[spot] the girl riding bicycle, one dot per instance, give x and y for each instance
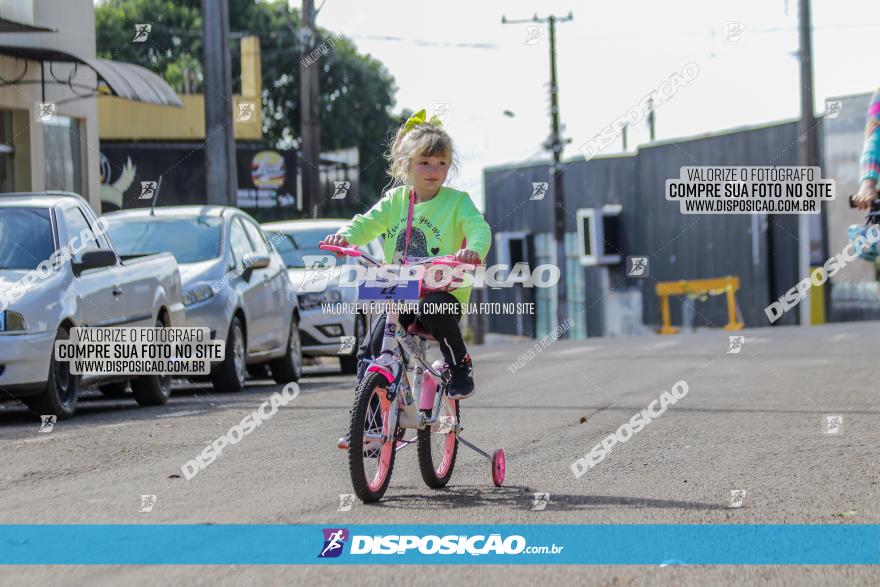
(444, 222)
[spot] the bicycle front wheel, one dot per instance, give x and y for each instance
(370, 460)
(438, 446)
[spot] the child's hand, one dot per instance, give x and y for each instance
(467, 256)
(337, 240)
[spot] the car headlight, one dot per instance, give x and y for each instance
(310, 300)
(11, 321)
(197, 293)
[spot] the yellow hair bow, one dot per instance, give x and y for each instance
(419, 118)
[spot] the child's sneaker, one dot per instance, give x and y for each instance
(461, 384)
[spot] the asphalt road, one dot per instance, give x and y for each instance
(751, 421)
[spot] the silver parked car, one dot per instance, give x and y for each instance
(322, 332)
(58, 271)
(234, 282)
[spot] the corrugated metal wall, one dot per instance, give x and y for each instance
(760, 250)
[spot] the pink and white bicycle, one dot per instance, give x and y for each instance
(387, 403)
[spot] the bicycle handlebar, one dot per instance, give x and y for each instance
(875, 203)
(353, 251)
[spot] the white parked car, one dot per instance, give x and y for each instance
(46, 295)
(322, 332)
(234, 282)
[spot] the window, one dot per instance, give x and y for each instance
(238, 241)
(7, 151)
(61, 148)
(190, 240)
(261, 245)
(25, 237)
(76, 224)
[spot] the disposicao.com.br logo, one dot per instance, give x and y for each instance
(334, 540)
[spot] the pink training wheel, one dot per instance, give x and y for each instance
(498, 466)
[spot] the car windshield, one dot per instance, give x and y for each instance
(25, 237)
(190, 240)
(294, 246)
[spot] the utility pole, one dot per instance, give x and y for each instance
(221, 180)
(310, 149)
(555, 144)
(808, 152)
(651, 120)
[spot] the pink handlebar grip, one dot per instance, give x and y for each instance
(350, 251)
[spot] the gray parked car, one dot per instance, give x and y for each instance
(234, 282)
(322, 332)
(93, 285)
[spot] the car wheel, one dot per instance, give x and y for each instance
(152, 390)
(349, 363)
(231, 374)
(117, 389)
(288, 368)
(62, 388)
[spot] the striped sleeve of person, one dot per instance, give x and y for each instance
(870, 162)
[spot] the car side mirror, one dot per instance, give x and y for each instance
(252, 262)
(94, 259)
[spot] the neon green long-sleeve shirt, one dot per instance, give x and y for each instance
(440, 226)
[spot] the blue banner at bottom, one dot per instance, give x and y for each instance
(655, 544)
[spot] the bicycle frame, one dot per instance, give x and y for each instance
(426, 391)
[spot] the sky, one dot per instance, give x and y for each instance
(608, 57)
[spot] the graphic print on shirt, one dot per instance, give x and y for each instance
(418, 245)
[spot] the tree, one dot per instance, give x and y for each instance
(356, 91)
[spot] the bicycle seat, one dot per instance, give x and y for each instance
(416, 329)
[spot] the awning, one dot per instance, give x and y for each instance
(125, 80)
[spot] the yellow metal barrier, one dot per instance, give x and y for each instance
(696, 287)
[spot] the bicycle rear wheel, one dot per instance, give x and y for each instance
(370, 460)
(437, 450)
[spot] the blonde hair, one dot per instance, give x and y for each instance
(421, 140)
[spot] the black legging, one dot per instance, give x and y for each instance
(442, 326)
